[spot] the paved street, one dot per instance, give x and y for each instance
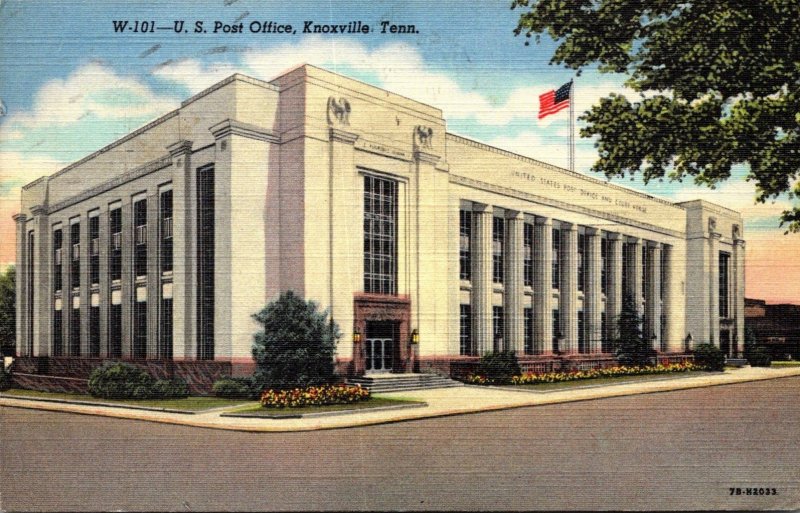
(676, 450)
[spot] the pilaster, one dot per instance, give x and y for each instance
(153, 273)
(593, 295)
(514, 287)
(127, 279)
(653, 299)
(22, 291)
(482, 278)
(713, 287)
(569, 287)
(739, 291)
(614, 292)
(542, 285)
(105, 284)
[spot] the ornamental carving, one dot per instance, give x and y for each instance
(338, 111)
(737, 232)
(712, 225)
(423, 136)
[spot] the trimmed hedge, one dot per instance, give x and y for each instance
(499, 367)
(709, 356)
(125, 381)
(235, 388)
(760, 357)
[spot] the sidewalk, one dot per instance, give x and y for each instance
(440, 402)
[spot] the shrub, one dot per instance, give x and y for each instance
(5, 378)
(235, 388)
(296, 346)
(630, 346)
(125, 381)
(709, 356)
(314, 396)
(499, 367)
(760, 357)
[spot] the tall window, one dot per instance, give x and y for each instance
(205, 262)
(94, 248)
(497, 327)
(115, 325)
(115, 244)
(724, 277)
(140, 323)
(464, 241)
(556, 258)
(528, 328)
(581, 262)
(465, 332)
(75, 264)
(527, 257)
(556, 330)
(58, 329)
(604, 265)
(498, 243)
(581, 334)
(663, 272)
(140, 237)
(645, 275)
(75, 328)
(604, 335)
(94, 325)
(165, 213)
(380, 235)
(58, 243)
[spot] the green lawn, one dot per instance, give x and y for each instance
(195, 403)
(578, 383)
(792, 363)
(256, 410)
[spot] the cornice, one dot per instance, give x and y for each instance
(180, 147)
(233, 127)
(339, 135)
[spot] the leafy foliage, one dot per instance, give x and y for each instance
(8, 312)
(630, 347)
(709, 356)
(296, 347)
(125, 381)
(499, 367)
(5, 378)
(722, 82)
(234, 388)
(760, 357)
(314, 396)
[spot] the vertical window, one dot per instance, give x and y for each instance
(205, 262)
(75, 328)
(165, 322)
(604, 265)
(464, 241)
(465, 330)
(497, 327)
(581, 334)
(581, 262)
(663, 272)
(94, 325)
(94, 248)
(724, 292)
(75, 264)
(527, 257)
(498, 243)
(165, 212)
(58, 329)
(140, 323)
(58, 244)
(115, 244)
(140, 238)
(115, 325)
(380, 235)
(528, 329)
(556, 258)
(663, 335)
(606, 341)
(556, 330)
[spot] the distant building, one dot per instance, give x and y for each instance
(159, 247)
(776, 327)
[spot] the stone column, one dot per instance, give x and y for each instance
(713, 288)
(184, 250)
(127, 282)
(22, 285)
(105, 284)
(654, 293)
(43, 299)
(85, 294)
(614, 292)
(153, 273)
(738, 288)
(635, 273)
(482, 278)
(543, 285)
(593, 295)
(666, 286)
(569, 287)
(514, 286)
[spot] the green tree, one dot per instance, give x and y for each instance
(296, 346)
(722, 81)
(8, 312)
(630, 347)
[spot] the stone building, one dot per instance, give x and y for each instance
(427, 248)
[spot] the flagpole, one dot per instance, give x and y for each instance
(571, 125)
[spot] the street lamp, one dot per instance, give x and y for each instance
(415, 336)
(356, 336)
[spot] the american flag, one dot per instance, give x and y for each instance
(554, 100)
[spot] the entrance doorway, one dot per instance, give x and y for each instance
(725, 342)
(380, 346)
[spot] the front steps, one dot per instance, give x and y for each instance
(379, 383)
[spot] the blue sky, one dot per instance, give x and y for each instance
(71, 85)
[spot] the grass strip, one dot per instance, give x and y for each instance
(192, 403)
(375, 402)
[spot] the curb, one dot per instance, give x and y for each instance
(99, 403)
(420, 404)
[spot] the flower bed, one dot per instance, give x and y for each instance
(314, 396)
(531, 378)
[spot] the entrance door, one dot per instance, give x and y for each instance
(380, 347)
(725, 342)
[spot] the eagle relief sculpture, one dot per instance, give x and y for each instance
(423, 136)
(338, 111)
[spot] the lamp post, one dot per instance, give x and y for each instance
(414, 350)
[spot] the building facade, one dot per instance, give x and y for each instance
(427, 248)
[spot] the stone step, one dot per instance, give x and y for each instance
(400, 382)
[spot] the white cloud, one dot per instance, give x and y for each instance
(194, 75)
